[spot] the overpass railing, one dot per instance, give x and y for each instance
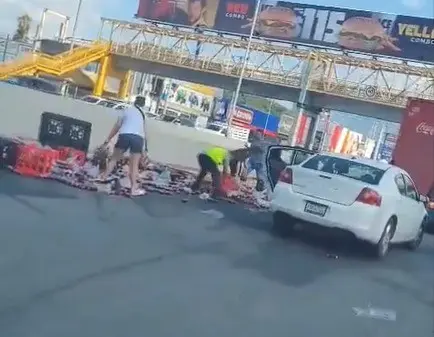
(387, 82)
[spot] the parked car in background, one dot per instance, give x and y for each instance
(178, 119)
(216, 128)
(113, 104)
(168, 118)
(36, 83)
(151, 115)
(189, 122)
(92, 99)
(372, 201)
(105, 102)
(121, 106)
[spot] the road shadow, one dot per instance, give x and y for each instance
(17, 187)
(160, 206)
(14, 185)
(245, 216)
(305, 256)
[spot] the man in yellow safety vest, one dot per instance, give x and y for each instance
(215, 157)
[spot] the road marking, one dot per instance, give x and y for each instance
(375, 313)
(213, 213)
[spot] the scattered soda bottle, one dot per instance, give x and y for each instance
(164, 178)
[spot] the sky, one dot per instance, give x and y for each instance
(93, 10)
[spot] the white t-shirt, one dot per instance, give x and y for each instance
(132, 122)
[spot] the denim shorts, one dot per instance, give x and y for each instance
(129, 141)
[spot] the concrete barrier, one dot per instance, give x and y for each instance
(21, 110)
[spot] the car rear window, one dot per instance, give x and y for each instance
(345, 167)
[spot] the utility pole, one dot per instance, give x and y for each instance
(74, 28)
(6, 45)
(246, 57)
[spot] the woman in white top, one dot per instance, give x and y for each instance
(132, 138)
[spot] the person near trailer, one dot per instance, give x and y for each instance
(212, 159)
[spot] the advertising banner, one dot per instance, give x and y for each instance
(317, 140)
(303, 130)
(286, 124)
(245, 117)
(220, 110)
(212, 14)
(385, 153)
(369, 32)
(369, 147)
(341, 140)
(336, 135)
(241, 117)
(186, 99)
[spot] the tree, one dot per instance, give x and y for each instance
(23, 28)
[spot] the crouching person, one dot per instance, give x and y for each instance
(211, 160)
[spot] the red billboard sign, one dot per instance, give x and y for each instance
(242, 116)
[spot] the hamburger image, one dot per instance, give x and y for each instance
(366, 34)
(276, 22)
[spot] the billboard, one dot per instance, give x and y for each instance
(242, 115)
(303, 130)
(220, 110)
(286, 124)
(189, 98)
(245, 117)
(355, 30)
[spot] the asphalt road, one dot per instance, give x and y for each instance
(76, 263)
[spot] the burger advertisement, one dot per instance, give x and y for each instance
(338, 28)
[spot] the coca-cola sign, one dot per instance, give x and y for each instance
(425, 129)
(243, 115)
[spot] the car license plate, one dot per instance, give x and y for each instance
(314, 208)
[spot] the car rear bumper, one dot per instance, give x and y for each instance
(360, 220)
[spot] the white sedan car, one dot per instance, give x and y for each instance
(374, 201)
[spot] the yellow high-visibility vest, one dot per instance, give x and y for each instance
(217, 154)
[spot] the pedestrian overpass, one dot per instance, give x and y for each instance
(316, 78)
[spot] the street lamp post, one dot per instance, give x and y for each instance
(6, 45)
(74, 28)
(40, 27)
(268, 115)
(246, 56)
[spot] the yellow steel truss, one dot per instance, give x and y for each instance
(388, 82)
(54, 65)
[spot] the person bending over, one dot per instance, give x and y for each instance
(132, 137)
(210, 161)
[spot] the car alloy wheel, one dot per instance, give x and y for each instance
(384, 243)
